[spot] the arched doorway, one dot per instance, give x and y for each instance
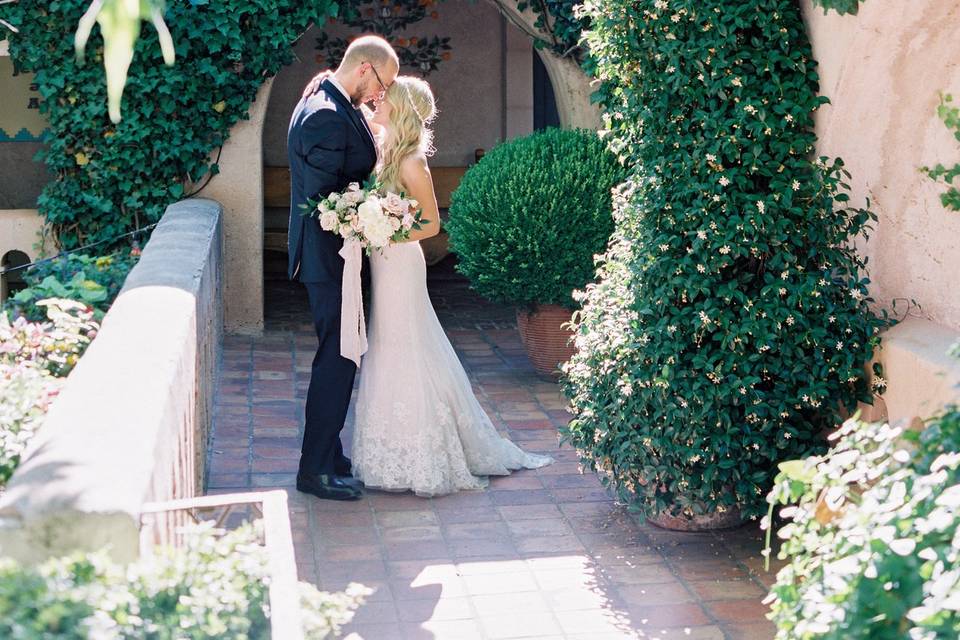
(11, 280)
(498, 112)
(490, 90)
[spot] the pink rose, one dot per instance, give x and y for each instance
(394, 204)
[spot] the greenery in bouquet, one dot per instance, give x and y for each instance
(214, 586)
(370, 215)
(731, 322)
(528, 219)
(873, 536)
(26, 391)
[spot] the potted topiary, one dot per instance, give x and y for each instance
(526, 222)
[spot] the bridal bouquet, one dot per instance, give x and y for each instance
(370, 215)
(367, 218)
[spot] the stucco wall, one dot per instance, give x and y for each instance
(469, 87)
(883, 70)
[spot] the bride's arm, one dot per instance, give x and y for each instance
(415, 174)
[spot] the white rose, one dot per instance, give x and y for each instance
(408, 221)
(333, 198)
(394, 223)
(353, 186)
(328, 221)
(370, 211)
(379, 232)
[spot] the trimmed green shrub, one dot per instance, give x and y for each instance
(873, 536)
(730, 322)
(527, 220)
(213, 587)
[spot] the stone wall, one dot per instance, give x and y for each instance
(131, 423)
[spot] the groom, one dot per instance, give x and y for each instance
(329, 146)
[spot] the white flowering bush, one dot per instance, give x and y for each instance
(730, 322)
(873, 538)
(212, 587)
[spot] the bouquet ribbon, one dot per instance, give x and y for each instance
(353, 326)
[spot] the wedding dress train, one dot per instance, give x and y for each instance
(418, 424)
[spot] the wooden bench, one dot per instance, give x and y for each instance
(276, 200)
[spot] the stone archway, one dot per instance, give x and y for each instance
(571, 85)
(239, 186)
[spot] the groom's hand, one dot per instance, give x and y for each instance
(314, 84)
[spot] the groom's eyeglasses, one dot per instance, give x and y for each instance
(377, 75)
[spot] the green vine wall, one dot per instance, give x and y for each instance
(111, 178)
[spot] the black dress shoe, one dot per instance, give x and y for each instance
(329, 487)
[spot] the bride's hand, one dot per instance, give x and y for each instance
(314, 84)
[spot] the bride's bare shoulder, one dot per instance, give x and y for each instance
(414, 165)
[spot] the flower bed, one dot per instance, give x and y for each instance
(44, 330)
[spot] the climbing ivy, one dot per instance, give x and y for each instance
(840, 6)
(113, 177)
(562, 22)
(950, 114)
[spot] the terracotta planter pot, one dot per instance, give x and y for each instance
(544, 339)
(729, 519)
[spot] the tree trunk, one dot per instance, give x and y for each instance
(571, 86)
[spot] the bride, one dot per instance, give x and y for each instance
(418, 424)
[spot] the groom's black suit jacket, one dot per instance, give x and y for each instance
(329, 146)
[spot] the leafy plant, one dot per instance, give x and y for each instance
(950, 115)
(872, 536)
(94, 281)
(840, 6)
(54, 346)
(213, 587)
(563, 24)
(527, 219)
(109, 271)
(115, 177)
(26, 391)
(731, 319)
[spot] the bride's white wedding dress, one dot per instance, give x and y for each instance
(418, 424)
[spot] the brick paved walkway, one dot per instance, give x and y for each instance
(541, 554)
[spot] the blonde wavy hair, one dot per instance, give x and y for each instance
(412, 110)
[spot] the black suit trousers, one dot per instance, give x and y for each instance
(331, 385)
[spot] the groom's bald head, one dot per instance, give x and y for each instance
(372, 49)
(369, 67)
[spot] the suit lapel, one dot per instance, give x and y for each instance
(355, 116)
